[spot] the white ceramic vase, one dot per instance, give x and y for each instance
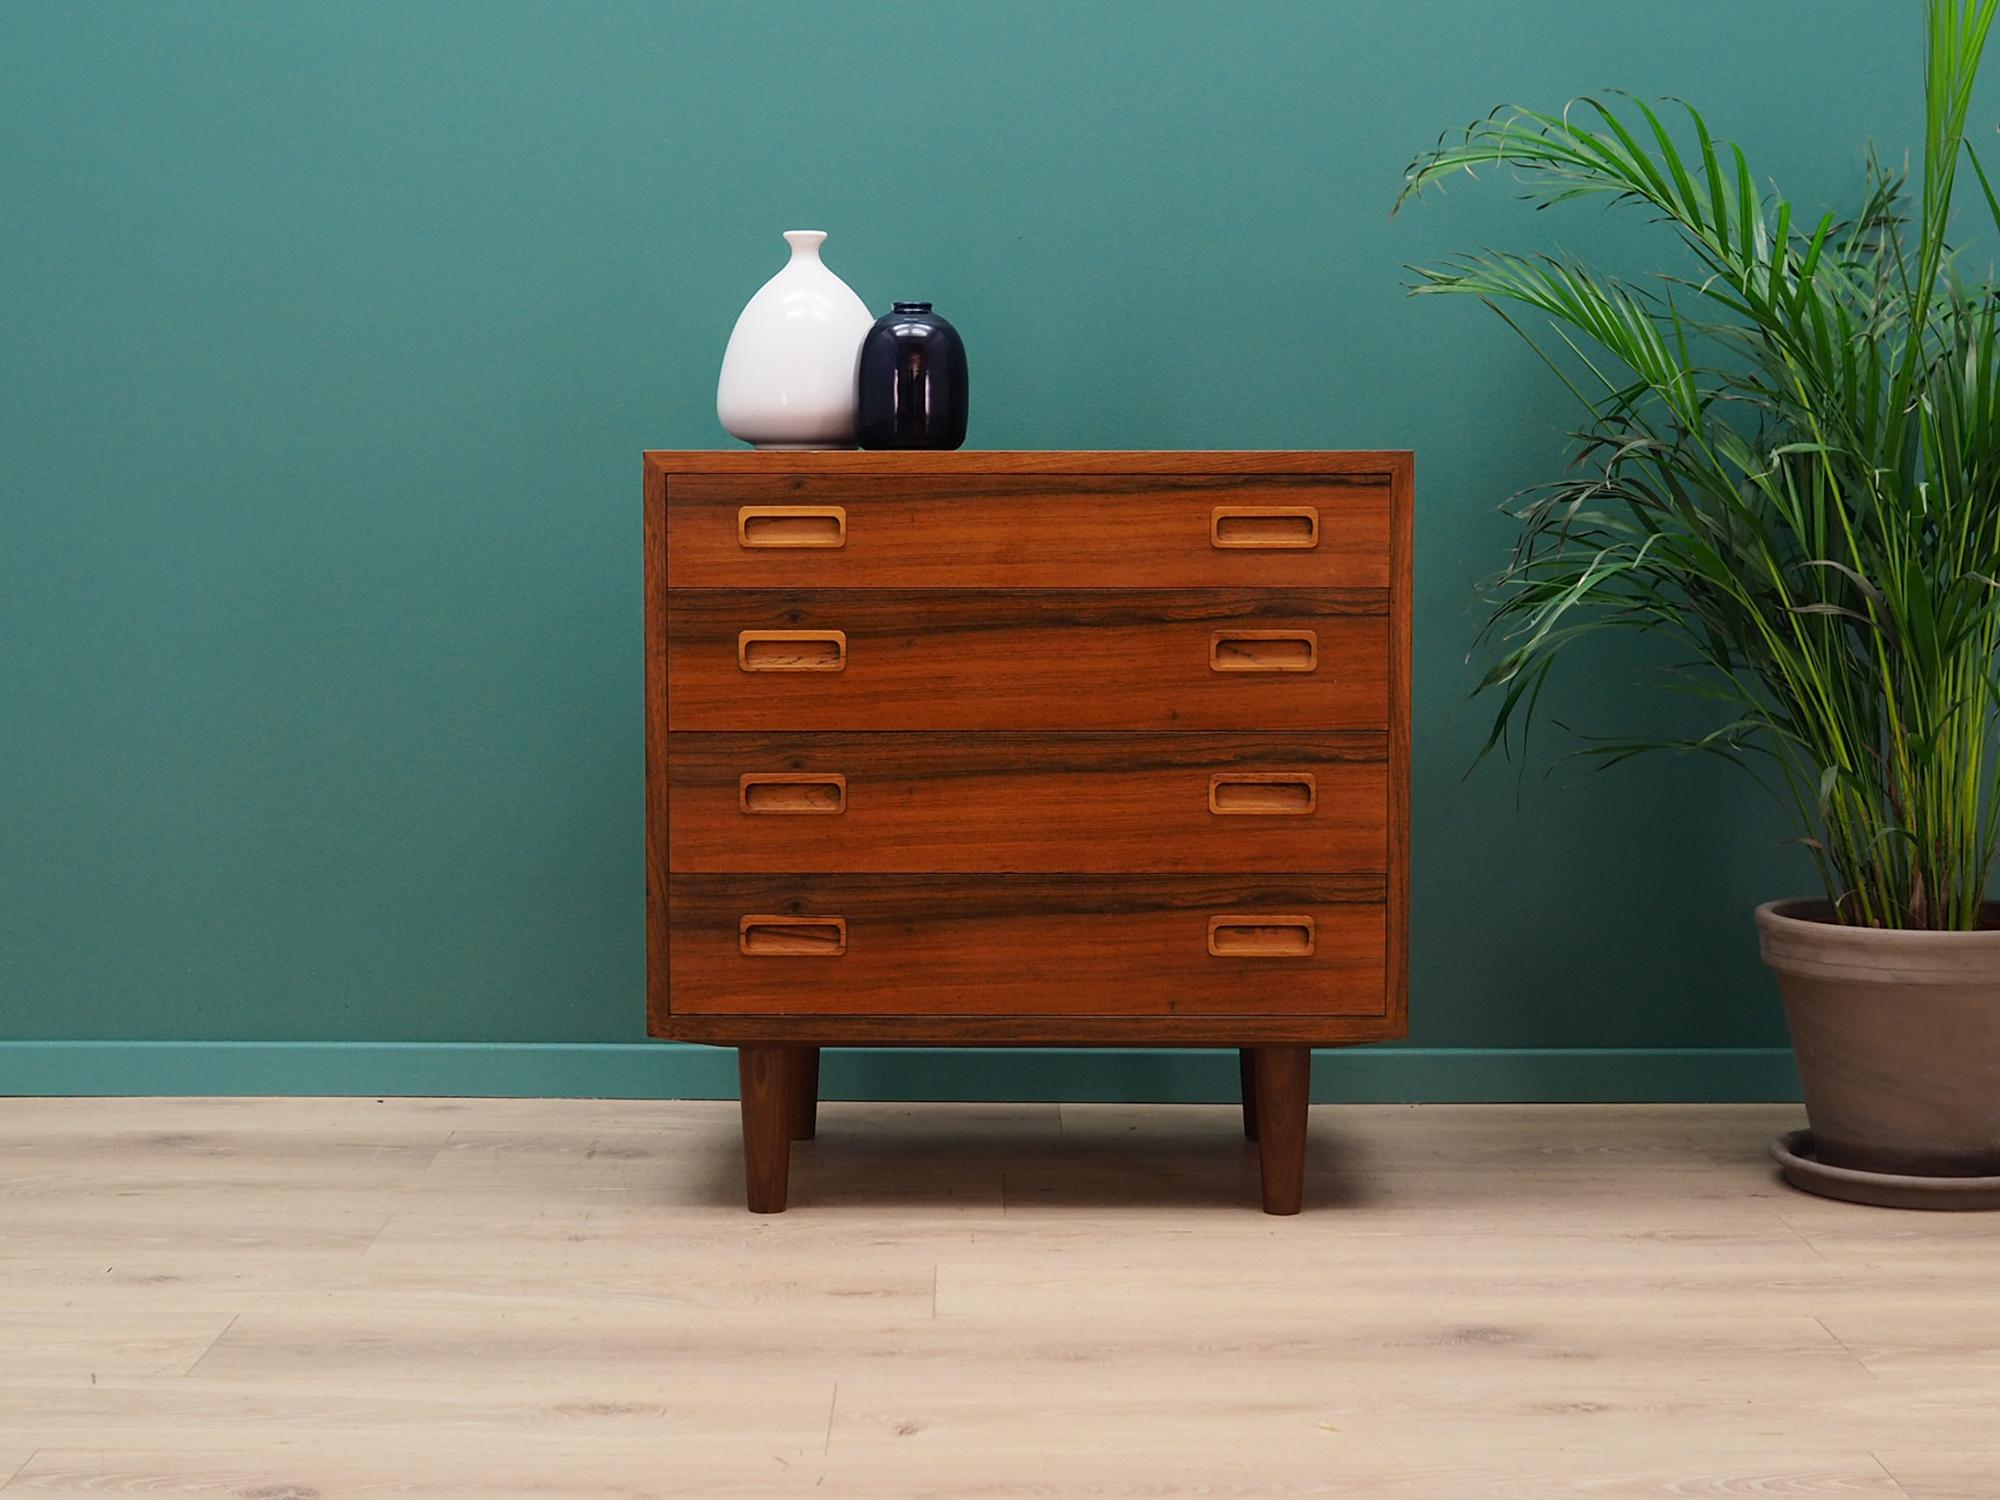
(788, 373)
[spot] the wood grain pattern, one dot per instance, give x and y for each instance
(791, 526)
(767, 1095)
(1027, 945)
(1398, 669)
(1280, 1091)
(1950, 1474)
(1241, 649)
(1030, 802)
(1278, 527)
(791, 650)
(987, 530)
(1253, 935)
(1025, 1029)
(1007, 659)
(783, 935)
(784, 794)
(562, 1299)
(1270, 794)
(658, 817)
(1058, 610)
(776, 466)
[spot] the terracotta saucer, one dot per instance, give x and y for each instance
(1793, 1152)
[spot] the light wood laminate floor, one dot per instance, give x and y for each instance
(294, 1299)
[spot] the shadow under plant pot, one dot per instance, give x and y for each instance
(1897, 1034)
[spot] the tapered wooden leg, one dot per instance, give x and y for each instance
(1246, 1071)
(1282, 1079)
(765, 1078)
(805, 1092)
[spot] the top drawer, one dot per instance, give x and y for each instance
(990, 530)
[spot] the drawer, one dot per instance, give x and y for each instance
(996, 802)
(1027, 945)
(1154, 659)
(1029, 531)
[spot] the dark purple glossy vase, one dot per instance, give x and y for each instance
(910, 383)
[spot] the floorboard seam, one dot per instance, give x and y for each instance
(1850, 1354)
(1818, 1254)
(443, 1146)
(1889, 1475)
(433, 1161)
(189, 1371)
(376, 1238)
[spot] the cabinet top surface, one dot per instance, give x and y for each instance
(1024, 461)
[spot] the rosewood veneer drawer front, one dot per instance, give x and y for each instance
(1155, 659)
(1028, 945)
(1029, 531)
(1010, 801)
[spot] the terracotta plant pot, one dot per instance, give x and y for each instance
(1897, 1035)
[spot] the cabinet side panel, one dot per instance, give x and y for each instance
(658, 1005)
(1401, 518)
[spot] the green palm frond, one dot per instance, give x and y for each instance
(1790, 468)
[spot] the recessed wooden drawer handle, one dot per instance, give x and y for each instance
(1260, 937)
(793, 937)
(791, 526)
(791, 650)
(1278, 794)
(791, 792)
(1266, 527)
(1263, 651)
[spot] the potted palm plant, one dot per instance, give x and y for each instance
(1789, 470)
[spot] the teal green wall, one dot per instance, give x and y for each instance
(331, 333)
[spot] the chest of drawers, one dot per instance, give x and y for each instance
(1083, 749)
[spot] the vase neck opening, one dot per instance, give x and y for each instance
(805, 243)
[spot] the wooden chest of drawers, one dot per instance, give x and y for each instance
(1026, 748)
